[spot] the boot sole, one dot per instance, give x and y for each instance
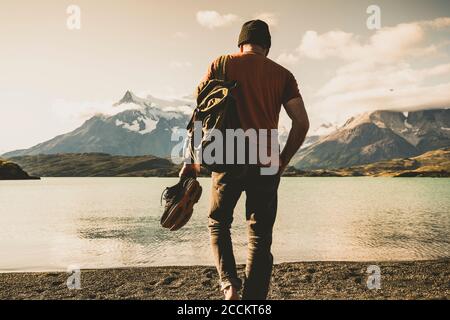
(181, 212)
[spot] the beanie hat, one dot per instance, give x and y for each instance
(255, 32)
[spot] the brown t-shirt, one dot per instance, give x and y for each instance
(263, 86)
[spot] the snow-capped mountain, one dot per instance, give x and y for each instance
(324, 129)
(144, 128)
(147, 124)
(145, 114)
(314, 134)
(379, 135)
(151, 101)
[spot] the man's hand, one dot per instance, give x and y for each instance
(190, 170)
(295, 109)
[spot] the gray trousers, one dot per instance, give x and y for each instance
(261, 208)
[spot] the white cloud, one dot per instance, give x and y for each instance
(383, 77)
(180, 35)
(180, 64)
(407, 98)
(287, 59)
(381, 72)
(387, 45)
(213, 19)
(438, 23)
(182, 108)
(75, 111)
(333, 43)
(269, 17)
(392, 87)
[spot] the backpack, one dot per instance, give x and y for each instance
(216, 109)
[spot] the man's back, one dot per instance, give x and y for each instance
(263, 86)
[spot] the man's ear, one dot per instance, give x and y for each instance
(241, 48)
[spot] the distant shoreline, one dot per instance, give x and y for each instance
(434, 164)
(298, 280)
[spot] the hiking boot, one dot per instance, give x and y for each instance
(180, 200)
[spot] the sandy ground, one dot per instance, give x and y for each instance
(304, 280)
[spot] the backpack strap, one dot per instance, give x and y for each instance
(220, 70)
(219, 73)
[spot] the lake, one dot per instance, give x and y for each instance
(55, 223)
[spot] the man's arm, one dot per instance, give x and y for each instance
(295, 109)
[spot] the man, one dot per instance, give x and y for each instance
(263, 86)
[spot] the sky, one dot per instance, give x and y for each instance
(53, 78)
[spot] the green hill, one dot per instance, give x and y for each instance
(96, 165)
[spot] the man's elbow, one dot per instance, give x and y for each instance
(302, 125)
(306, 126)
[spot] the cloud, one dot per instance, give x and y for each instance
(185, 109)
(387, 45)
(213, 19)
(180, 64)
(380, 72)
(180, 35)
(75, 111)
(388, 87)
(287, 59)
(407, 98)
(333, 43)
(269, 17)
(438, 23)
(382, 77)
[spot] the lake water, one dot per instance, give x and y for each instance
(114, 222)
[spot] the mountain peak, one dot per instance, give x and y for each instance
(130, 97)
(357, 120)
(379, 117)
(379, 135)
(152, 101)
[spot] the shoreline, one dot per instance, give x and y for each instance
(422, 279)
(434, 163)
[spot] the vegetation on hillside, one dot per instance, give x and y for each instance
(11, 171)
(431, 164)
(96, 165)
(434, 163)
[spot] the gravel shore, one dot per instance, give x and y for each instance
(302, 280)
